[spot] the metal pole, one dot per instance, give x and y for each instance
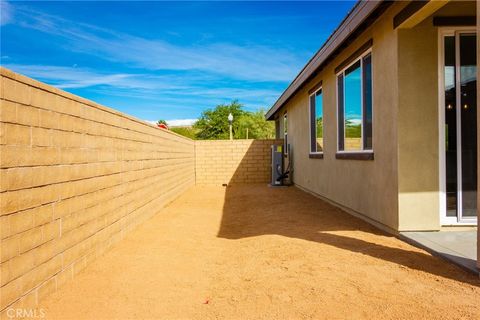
(230, 121)
(247, 133)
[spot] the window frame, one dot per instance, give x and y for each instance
(342, 73)
(285, 134)
(316, 153)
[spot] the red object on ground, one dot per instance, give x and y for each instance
(163, 126)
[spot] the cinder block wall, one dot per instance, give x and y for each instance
(220, 162)
(74, 178)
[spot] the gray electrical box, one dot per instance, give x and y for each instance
(277, 165)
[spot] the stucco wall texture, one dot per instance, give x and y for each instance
(75, 177)
(366, 187)
(400, 188)
(418, 143)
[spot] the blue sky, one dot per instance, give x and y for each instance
(166, 60)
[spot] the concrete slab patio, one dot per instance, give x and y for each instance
(458, 247)
(256, 252)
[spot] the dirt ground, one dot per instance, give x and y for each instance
(254, 252)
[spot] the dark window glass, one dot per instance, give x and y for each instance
(313, 144)
(285, 134)
(277, 129)
(355, 112)
(468, 107)
(316, 122)
(353, 107)
(450, 126)
(319, 120)
(367, 103)
(341, 137)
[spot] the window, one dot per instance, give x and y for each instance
(355, 115)
(277, 129)
(285, 140)
(316, 122)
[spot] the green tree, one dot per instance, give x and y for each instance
(257, 126)
(161, 121)
(319, 127)
(213, 123)
(188, 132)
(353, 129)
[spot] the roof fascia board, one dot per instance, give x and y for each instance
(415, 12)
(406, 13)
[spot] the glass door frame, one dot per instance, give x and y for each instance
(444, 219)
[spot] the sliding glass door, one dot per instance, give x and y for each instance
(460, 126)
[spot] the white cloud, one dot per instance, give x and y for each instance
(248, 62)
(160, 75)
(181, 122)
(74, 77)
(354, 121)
(182, 92)
(6, 13)
(175, 122)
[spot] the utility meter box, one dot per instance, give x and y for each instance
(277, 165)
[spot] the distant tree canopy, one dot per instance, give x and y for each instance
(161, 121)
(353, 129)
(188, 132)
(257, 126)
(213, 123)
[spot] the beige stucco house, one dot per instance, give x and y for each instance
(382, 120)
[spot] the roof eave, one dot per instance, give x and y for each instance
(358, 15)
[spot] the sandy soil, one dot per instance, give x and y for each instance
(258, 253)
